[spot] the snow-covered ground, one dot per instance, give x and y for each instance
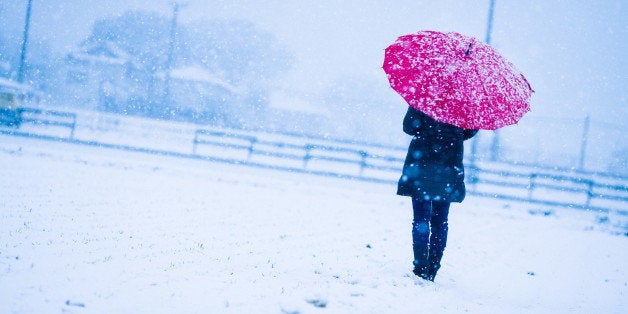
(96, 230)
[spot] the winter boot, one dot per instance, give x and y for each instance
(433, 265)
(420, 248)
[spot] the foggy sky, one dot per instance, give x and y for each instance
(572, 52)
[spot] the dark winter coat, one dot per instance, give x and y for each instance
(433, 168)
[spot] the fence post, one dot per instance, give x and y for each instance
(531, 185)
(363, 155)
(252, 141)
(307, 156)
(472, 172)
(589, 193)
(73, 126)
(195, 141)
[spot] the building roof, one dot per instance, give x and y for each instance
(200, 74)
(101, 52)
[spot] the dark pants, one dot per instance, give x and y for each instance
(429, 235)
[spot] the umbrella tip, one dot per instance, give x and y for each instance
(466, 53)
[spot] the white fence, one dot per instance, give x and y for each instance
(322, 156)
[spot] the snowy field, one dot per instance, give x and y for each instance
(96, 230)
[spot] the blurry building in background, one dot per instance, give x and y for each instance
(199, 95)
(101, 76)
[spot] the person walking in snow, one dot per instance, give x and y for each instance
(433, 175)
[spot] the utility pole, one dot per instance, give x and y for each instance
(489, 27)
(489, 30)
(20, 73)
(173, 35)
(474, 142)
(583, 143)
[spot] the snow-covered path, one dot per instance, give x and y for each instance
(91, 230)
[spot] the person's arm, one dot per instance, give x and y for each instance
(413, 121)
(467, 134)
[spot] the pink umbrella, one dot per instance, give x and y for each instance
(457, 79)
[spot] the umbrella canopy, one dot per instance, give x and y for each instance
(457, 79)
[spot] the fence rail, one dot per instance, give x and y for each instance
(519, 185)
(49, 117)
